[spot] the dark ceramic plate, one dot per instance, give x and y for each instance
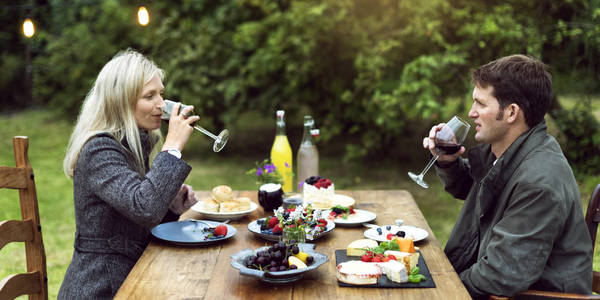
(189, 232)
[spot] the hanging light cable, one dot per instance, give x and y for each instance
(143, 16)
(28, 28)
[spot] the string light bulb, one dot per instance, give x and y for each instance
(28, 28)
(143, 16)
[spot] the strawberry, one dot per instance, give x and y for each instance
(366, 258)
(377, 259)
(221, 230)
(391, 256)
(390, 236)
(272, 222)
(385, 259)
(351, 210)
(277, 229)
(323, 221)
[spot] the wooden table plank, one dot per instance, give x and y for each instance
(174, 272)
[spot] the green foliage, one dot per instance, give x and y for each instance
(369, 71)
(583, 152)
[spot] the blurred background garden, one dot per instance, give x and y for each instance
(374, 74)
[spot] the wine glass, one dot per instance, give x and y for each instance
(447, 141)
(220, 140)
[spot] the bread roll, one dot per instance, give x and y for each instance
(222, 193)
(231, 206)
(244, 203)
(210, 205)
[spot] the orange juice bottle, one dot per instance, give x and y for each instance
(281, 154)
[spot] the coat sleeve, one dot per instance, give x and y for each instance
(456, 178)
(142, 199)
(520, 245)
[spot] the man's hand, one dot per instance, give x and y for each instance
(429, 143)
(184, 199)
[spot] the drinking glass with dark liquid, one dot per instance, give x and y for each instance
(447, 141)
(220, 140)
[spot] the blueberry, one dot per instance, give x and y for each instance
(295, 250)
(401, 233)
(260, 221)
(389, 227)
(309, 260)
(379, 230)
(282, 268)
(293, 267)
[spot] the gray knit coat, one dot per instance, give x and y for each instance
(115, 208)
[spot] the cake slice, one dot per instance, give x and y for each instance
(358, 272)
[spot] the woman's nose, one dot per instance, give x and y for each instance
(161, 102)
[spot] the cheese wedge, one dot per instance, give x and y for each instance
(395, 271)
(409, 259)
(357, 248)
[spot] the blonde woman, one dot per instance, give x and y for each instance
(118, 196)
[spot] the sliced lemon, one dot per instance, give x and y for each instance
(302, 256)
(292, 260)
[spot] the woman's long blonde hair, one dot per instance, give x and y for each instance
(110, 104)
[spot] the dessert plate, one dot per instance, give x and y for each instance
(189, 233)
(360, 216)
(417, 233)
(223, 216)
(237, 261)
(255, 228)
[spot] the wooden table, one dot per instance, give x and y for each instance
(173, 272)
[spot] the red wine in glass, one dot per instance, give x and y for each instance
(447, 148)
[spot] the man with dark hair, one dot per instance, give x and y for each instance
(521, 226)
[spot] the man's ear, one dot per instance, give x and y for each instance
(512, 112)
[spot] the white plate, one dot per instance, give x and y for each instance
(360, 216)
(255, 228)
(418, 233)
(338, 199)
(224, 216)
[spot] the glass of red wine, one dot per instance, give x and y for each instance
(447, 141)
(220, 140)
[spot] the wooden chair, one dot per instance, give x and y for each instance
(35, 282)
(592, 218)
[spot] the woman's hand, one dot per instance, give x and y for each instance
(179, 127)
(184, 199)
(429, 143)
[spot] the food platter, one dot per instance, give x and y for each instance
(254, 227)
(223, 216)
(359, 217)
(417, 233)
(237, 261)
(189, 232)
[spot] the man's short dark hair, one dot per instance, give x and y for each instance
(518, 79)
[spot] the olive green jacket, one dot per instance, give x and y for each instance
(521, 226)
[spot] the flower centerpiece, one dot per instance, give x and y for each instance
(299, 223)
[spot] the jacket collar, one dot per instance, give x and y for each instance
(494, 177)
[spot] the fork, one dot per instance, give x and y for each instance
(208, 225)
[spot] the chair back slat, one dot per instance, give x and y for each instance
(592, 217)
(15, 231)
(28, 229)
(13, 178)
(16, 285)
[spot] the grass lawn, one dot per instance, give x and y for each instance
(49, 136)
